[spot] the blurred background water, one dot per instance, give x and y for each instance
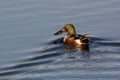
(26, 36)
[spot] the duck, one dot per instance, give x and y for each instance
(73, 40)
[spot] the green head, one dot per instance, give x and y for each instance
(69, 28)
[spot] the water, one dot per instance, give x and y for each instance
(27, 51)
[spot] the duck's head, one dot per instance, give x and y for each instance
(69, 28)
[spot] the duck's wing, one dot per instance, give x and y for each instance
(84, 38)
(81, 36)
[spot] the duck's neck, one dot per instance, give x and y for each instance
(71, 31)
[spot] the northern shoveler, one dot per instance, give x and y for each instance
(80, 42)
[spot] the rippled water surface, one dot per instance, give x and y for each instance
(30, 51)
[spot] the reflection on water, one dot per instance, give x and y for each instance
(29, 51)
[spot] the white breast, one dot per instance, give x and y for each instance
(64, 38)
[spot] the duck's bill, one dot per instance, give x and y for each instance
(59, 32)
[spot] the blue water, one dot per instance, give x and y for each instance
(27, 49)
